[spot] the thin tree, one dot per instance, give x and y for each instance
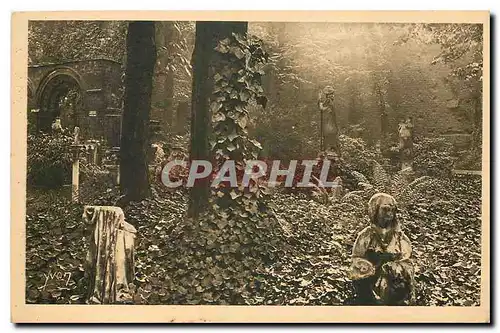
(170, 36)
(166, 37)
(141, 58)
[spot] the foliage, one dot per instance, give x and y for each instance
(49, 159)
(357, 154)
(461, 49)
(94, 180)
(221, 252)
(59, 41)
(441, 218)
(252, 248)
(310, 268)
(237, 82)
(433, 157)
(54, 226)
(286, 133)
(354, 59)
(470, 160)
(457, 41)
(316, 271)
(56, 245)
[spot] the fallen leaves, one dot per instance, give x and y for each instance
(300, 258)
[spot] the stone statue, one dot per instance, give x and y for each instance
(329, 126)
(56, 126)
(76, 135)
(382, 271)
(406, 143)
(405, 132)
(338, 189)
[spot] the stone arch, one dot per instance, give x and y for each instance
(52, 91)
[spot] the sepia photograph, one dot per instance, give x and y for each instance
(294, 163)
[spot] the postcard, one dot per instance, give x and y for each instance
(250, 167)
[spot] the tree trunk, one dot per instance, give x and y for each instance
(384, 121)
(381, 98)
(141, 58)
(353, 115)
(182, 117)
(170, 36)
(478, 121)
(204, 67)
(271, 82)
(158, 94)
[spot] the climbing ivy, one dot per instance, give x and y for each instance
(237, 82)
(229, 244)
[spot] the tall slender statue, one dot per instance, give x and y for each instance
(329, 127)
(76, 135)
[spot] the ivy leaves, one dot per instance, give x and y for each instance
(237, 82)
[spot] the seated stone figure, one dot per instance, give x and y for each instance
(381, 269)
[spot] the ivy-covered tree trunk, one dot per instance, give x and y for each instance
(141, 58)
(205, 65)
(236, 232)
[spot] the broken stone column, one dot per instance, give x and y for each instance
(110, 264)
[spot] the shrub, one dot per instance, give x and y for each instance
(470, 159)
(95, 181)
(433, 157)
(49, 159)
(357, 155)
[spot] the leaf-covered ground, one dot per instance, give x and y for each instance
(442, 219)
(443, 223)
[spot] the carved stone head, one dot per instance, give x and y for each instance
(382, 209)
